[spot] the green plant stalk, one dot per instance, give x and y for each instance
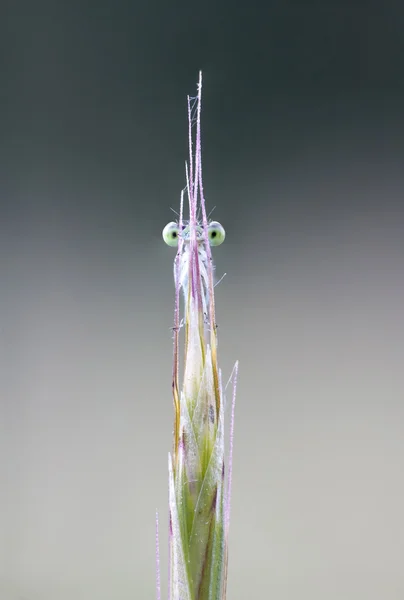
(199, 479)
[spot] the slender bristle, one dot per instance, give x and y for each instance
(158, 584)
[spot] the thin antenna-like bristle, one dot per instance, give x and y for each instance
(227, 505)
(198, 141)
(230, 463)
(158, 584)
(198, 161)
(198, 176)
(175, 381)
(194, 272)
(190, 178)
(170, 536)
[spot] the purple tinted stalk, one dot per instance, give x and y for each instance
(199, 491)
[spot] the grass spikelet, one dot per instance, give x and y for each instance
(199, 481)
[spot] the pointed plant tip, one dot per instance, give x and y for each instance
(199, 492)
(158, 576)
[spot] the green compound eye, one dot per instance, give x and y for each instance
(170, 234)
(216, 234)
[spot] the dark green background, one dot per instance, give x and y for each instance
(303, 148)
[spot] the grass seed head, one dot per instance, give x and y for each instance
(199, 488)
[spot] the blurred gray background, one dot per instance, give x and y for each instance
(303, 157)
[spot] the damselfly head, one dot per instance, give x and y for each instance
(172, 233)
